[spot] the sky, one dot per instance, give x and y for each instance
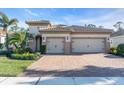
(106, 17)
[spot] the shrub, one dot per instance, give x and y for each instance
(21, 50)
(120, 49)
(38, 54)
(26, 56)
(28, 50)
(18, 51)
(43, 49)
(113, 50)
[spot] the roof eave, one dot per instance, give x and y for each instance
(36, 22)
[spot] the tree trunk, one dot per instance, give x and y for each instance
(15, 46)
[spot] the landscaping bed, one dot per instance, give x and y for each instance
(119, 50)
(25, 56)
(11, 67)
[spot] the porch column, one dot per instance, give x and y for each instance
(107, 45)
(67, 45)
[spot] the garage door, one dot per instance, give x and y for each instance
(87, 45)
(55, 45)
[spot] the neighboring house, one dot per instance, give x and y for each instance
(117, 38)
(62, 39)
(2, 36)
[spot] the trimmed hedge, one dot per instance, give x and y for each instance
(25, 56)
(22, 50)
(120, 49)
(43, 49)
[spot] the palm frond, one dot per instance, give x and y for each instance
(1, 14)
(1, 21)
(18, 38)
(13, 21)
(5, 19)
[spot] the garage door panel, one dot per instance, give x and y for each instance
(88, 45)
(55, 45)
(79, 45)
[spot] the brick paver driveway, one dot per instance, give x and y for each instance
(86, 65)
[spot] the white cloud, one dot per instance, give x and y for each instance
(31, 12)
(22, 24)
(107, 20)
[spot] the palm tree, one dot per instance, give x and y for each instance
(18, 39)
(5, 22)
(119, 25)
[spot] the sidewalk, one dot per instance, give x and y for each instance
(61, 80)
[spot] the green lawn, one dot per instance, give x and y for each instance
(10, 67)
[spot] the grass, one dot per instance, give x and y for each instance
(11, 67)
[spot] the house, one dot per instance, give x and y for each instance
(2, 36)
(34, 26)
(62, 39)
(117, 38)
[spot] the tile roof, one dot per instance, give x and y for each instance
(118, 33)
(81, 28)
(77, 29)
(56, 29)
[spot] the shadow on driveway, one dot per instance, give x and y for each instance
(87, 71)
(111, 56)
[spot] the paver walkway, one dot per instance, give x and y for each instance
(85, 65)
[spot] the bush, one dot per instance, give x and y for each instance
(26, 56)
(18, 51)
(120, 49)
(113, 50)
(22, 51)
(43, 49)
(28, 50)
(38, 54)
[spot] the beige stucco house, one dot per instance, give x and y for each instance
(62, 39)
(117, 38)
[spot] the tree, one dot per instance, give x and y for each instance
(17, 29)
(91, 26)
(5, 22)
(18, 39)
(119, 25)
(14, 28)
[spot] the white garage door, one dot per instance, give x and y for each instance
(87, 45)
(55, 45)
